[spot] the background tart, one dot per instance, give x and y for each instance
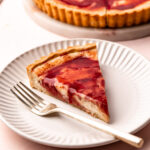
(97, 13)
(72, 75)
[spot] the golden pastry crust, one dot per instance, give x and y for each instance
(129, 17)
(40, 4)
(37, 69)
(64, 55)
(73, 15)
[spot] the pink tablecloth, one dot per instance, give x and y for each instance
(18, 34)
(11, 141)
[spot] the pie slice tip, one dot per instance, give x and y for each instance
(72, 75)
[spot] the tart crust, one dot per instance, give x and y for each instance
(100, 18)
(129, 17)
(40, 4)
(36, 70)
(73, 15)
(61, 56)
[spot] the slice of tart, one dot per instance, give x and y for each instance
(72, 75)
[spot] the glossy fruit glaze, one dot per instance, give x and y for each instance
(123, 4)
(109, 4)
(81, 75)
(90, 4)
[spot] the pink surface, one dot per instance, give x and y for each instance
(9, 140)
(19, 36)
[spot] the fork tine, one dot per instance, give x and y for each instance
(23, 101)
(23, 95)
(40, 98)
(36, 101)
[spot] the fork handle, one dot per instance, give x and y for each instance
(126, 137)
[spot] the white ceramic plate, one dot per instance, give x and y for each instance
(71, 31)
(127, 76)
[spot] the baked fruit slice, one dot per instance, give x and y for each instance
(72, 75)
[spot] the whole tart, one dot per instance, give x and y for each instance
(98, 13)
(72, 75)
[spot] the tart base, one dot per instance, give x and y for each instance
(74, 17)
(40, 4)
(129, 17)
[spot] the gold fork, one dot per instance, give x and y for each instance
(41, 107)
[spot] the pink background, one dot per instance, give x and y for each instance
(11, 141)
(18, 33)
